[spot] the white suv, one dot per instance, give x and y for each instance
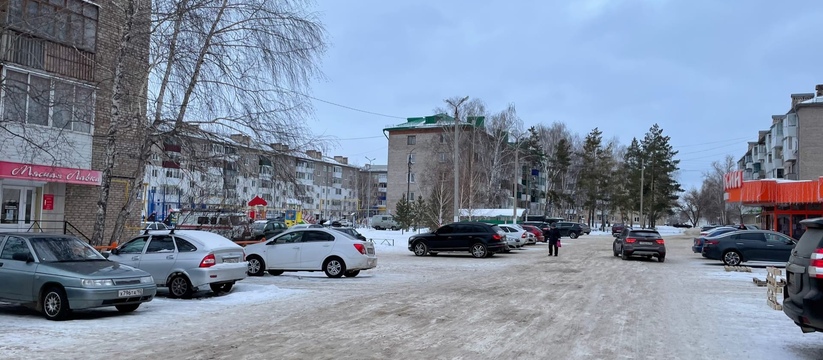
(313, 249)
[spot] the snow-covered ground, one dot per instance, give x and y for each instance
(585, 304)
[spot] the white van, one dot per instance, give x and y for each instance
(383, 222)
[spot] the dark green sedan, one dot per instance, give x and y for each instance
(56, 273)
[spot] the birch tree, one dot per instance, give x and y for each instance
(227, 66)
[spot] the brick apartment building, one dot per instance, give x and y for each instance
(56, 59)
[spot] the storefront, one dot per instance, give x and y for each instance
(33, 197)
(783, 203)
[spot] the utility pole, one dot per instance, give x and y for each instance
(408, 177)
(516, 179)
(642, 183)
(456, 106)
(368, 190)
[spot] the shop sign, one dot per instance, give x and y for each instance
(733, 180)
(49, 173)
(48, 201)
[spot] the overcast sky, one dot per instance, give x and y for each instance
(710, 72)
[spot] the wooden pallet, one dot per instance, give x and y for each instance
(774, 287)
(758, 282)
(737, 268)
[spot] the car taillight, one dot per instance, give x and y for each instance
(496, 237)
(523, 236)
(660, 241)
(244, 255)
(630, 240)
(361, 248)
(208, 261)
(816, 265)
(712, 242)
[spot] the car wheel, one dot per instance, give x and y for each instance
(614, 250)
(661, 258)
(55, 304)
(221, 288)
(479, 250)
(256, 266)
(352, 273)
(394, 228)
(334, 267)
(732, 258)
(573, 235)
(275, 272)
(180, 287)
(127, 308)
(420, 249)
(623, 254)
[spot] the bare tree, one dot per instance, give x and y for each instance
(229, 66)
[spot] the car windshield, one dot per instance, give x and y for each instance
(64, 248)
(258, 226)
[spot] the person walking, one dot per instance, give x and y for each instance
(553, 239)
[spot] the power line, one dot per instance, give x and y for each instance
(712, 142)
(363, 138)
(348, 107)
(709, 149)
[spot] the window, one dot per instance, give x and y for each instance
(73, 23)
(442, 138)
(411, 177)
(411, 196)
(135, 246)
(442, 157)
(290, 238)
(14, 245)
(338, 191)
(154, 173)
(160, 244)
(184, 246)
(30, 98)
(338, 169)
(411, 158)
(411, 140)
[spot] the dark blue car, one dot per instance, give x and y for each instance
(698, 241)
(741, 246)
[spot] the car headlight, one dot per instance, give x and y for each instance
(147, 280)
(97, 283)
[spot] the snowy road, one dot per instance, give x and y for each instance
(585, 304)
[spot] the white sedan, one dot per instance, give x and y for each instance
(516, 237)
(312, 249)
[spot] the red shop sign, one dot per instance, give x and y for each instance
(49, 173)
(48, 201)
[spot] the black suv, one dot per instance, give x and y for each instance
(803, 293)
(570, 229)
(479, 239)
(639, 242)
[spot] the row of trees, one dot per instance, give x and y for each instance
(580, 176)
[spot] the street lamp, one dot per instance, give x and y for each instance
(369, 189)
(408, 177)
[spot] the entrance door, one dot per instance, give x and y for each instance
(17, 207)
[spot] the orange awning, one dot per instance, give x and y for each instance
(773, 191)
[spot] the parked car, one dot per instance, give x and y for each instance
(56, 273)
(617, 228)
(682, 225)
(570, 229)
(538, 234)
(350, 231)
(542, 226)
(383, 222)
(639, 242)
(706, 228)
(306, 226)
(479, 239)
(740, 246)
(153, 225)
(267, 228)
(698, 241)
(331, 251)
(803, 293)
(585, 228)
(185, 260)
(515, 237)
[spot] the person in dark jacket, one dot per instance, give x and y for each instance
(553, 238)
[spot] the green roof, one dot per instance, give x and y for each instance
(434, 121)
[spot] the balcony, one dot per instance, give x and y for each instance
(791, 176)
(790, 155)
(777, 163)
(171, 164)
(382, 189)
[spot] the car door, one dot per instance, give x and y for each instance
(752, 245)
(159, 257)
(283, 252)
(314, 248)
(564, 228)
(442, 239)
(130, 252)
(778, 248)
(16, 276)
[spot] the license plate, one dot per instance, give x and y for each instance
(231, 260)
(646, 242)
(130, 293)
(370, 251)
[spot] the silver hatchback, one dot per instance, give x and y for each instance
(185, 260)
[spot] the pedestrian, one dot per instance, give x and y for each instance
(742, 226)
(152, 217)
(554, 240)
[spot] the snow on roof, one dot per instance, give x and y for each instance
(490, 212)
(813, 100)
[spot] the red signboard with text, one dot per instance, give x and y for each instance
(48, 201)
(11, 170)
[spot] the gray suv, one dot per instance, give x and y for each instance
(639, 242)
(803, 293)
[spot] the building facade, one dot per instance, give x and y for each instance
(211, 172)
(56, 57)
(373, 185)
(778, 179)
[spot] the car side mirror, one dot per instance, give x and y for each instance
(22, 257)
(106, 254)
(114, 251)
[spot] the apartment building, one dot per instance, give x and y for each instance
(208, 171)
(373, 185)
(56, 60)
(790, 151)
(421, 160)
